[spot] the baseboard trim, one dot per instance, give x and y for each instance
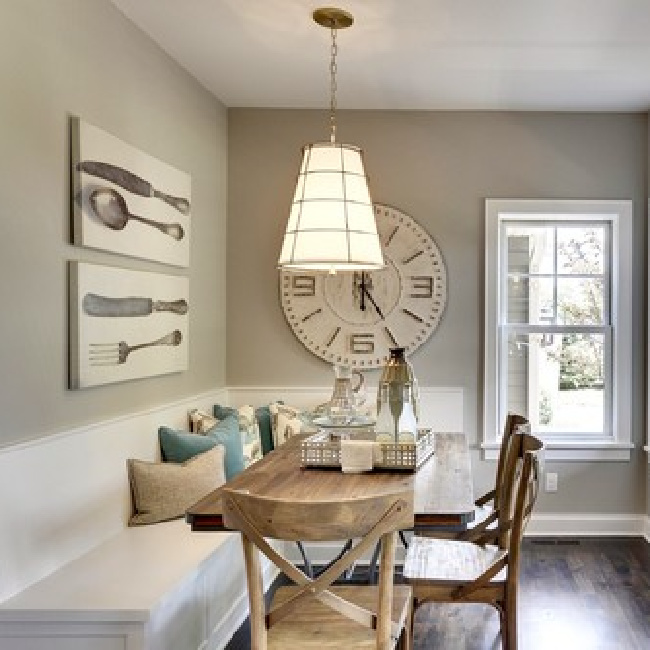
(587, 525)
(541, 525)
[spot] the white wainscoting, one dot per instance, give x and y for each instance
(66, 492)
(440, 407)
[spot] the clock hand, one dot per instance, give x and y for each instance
(362, 296)
(374, 304)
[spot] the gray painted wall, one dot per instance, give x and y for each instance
(82, 57)
(437, 167)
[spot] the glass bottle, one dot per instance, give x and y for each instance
(385, 425)
(397, 372)
(407, 425)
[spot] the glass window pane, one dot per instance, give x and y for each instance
(580, 301)
(530, 300)
(581, 249)
(557, 381)
(530, 249)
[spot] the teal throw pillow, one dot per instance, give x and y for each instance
(263, 417)
(179, 446)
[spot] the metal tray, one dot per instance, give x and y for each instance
(323, 449)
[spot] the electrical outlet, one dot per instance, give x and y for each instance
(551, 482)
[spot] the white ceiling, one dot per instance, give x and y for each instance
(567, 55)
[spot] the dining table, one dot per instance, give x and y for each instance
(442, 485)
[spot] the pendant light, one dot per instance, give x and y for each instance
(331, 224)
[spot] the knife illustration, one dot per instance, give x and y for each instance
(95, 305)
(129, 181)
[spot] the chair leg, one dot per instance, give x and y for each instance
(407, 632)
(510, 610)
(503, 627)
(414, 605)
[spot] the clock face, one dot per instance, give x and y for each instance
(356, 317)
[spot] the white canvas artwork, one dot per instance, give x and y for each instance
(127, 201)
(125, 324)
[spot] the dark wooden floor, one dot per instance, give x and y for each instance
(578, 594)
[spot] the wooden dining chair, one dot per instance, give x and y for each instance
(486, 506)
(314, 613)
(483, 568)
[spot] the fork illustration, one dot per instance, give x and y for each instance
(112, 354)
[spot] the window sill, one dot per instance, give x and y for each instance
(573, 451)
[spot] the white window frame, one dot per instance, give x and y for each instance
(614, 444)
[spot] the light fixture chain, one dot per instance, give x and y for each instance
(333, 87)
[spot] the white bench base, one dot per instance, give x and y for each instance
(158, 587)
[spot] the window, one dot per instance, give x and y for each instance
(558, 324)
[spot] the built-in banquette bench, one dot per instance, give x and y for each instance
(73, 576)
(158, 587)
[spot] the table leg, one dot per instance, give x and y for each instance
(309, 570)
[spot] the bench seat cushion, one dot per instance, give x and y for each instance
(124, 579)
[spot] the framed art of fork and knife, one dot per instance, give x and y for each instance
(126, 324)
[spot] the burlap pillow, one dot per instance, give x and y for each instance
(162, 491)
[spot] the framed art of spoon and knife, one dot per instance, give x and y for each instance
(126, 201)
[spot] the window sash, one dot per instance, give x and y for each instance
(556, 222)
(608, 375)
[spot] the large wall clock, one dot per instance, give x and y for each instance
(355, 318)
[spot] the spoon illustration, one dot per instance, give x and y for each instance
(112, 210)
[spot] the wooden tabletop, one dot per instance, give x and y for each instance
(443, 494)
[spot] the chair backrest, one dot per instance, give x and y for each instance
(523, 453)
(372, 519)
(520, 483)
(526, 496)
(513, 422)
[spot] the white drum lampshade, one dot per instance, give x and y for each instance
(331, 225)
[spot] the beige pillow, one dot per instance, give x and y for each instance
(200, 421)
(285, 422)
(162, 491)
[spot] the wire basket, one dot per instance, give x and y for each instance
(323, 449)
